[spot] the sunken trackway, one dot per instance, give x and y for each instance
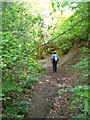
(46, 103)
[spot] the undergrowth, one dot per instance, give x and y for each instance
(15, 105)
(81, 91)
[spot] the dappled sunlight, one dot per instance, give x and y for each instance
(44, 59)
(67, 13)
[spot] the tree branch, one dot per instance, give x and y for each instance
(57, 36)
(52, 39)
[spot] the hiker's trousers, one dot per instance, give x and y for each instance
(54, 66)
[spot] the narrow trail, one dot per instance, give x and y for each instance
(46, 103)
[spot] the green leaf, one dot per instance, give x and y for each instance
(19, 89)
(30, 68)
(80, 94)
(14, 58)
(70, 107)
(4, 99)
(61, 91)
(80, 116)
(80, 86)
(86, 105)
(86, 94)
(52, 4)
(54, 10)
(58, 4)
(51, 13)
(85, 87)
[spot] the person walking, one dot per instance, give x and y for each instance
(54, 60)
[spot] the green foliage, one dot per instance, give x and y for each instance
(79, 33)
(81, 93)
(70, 107)
(82, 66)
(17, 110)
(65, 48)
(53, 6)
(61, 91)
(29, 82)
(22, 31)
(18, 66)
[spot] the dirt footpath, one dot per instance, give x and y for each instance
(46, 102)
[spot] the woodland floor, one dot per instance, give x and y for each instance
(46, 102)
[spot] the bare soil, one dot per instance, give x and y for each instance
(46, 102)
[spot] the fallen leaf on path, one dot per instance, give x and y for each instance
(40, 82)
(64, 78)
(47, 80)
(48, 76)
(61, 85)
(64, 85)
